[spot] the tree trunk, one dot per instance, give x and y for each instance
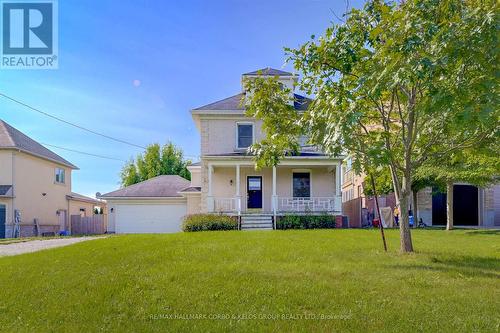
(415, 209)
(404, 226)
(381, 227)
(449, 205)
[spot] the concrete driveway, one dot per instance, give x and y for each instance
(38, 245)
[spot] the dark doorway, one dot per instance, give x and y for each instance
(438, 207)
(3, 214)
(465, 205)
(254, 192)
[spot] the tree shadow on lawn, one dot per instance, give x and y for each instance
(484, 232)
(465, 265)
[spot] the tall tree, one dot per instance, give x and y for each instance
(397, 84)
(155, 161)
(129, 174)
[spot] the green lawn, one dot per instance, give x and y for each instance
(335, 280)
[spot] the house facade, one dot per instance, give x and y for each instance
(35, 183)
(225, 180)
(228, 182)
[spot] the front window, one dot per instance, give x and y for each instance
(60, 177)
(245, 135)
(301, 185)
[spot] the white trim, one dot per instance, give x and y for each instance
(142, 198)
(248, 161)
(238, 123)
(193, 167)
(309, 171)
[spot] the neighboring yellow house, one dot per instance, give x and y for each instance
(35, 183)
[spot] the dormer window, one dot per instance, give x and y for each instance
(244, 134)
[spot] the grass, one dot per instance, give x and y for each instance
(311, 280)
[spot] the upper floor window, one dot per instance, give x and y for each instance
(60, 176)
(245, 135)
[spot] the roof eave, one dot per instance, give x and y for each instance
(138, 198)
(69, 165)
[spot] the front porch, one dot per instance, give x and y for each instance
(293, 187)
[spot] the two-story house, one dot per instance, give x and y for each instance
(35, 184)
(226, 180)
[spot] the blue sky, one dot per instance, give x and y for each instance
(134, 69)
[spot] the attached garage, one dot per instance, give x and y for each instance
(144, 217)
(152, 206)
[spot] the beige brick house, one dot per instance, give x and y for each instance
(228, 180)
(35, 183)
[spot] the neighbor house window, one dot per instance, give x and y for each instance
(60, 177)
(301, 185)
(245, 135)
(82, 212)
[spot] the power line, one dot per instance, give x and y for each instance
(82, 128)
(84, 153)
(70, 123)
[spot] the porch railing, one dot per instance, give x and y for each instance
(225, 205)
(281, 204)
(304, 205)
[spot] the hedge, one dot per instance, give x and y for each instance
(206, 222)
(306, 222)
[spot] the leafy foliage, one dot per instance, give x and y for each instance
(306, 222)
(156, 161)
(273, 103)
(208, 222)
(395, 86)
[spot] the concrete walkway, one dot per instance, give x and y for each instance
(38, 245)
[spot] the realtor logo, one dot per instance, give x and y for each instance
(28, 34)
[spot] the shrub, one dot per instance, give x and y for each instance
(205, 222)
(323, 221)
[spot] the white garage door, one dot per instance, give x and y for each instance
(149, 218)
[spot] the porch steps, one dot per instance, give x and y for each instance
(256, 222)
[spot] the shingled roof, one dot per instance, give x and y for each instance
(234, 103)
(11, 138)
(268, 72)
(158, 187)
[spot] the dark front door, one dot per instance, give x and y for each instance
(465, 205)
(438, 207)
(254, 192)
(3, 214)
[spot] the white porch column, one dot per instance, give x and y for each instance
(210, 198)
(338, 186)
(338, 180)
(274, 202)
(238, 194)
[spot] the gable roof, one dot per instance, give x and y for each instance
(234, 103)
(158, 187)
(11, 138)
(268, 71)
(80, 197)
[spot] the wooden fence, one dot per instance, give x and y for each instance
(88, 225)
(352, 209)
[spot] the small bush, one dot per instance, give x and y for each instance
(324, 221)
(206, 222)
